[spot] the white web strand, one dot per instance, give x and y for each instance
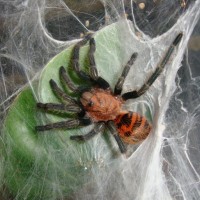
(166, 165)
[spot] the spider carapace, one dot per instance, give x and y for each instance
(99, 105)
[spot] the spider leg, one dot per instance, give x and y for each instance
(60, 108)
(99, 127)
(60, 94)
(113, 130)
(93, 70)
(157, 72)
(120, 82)
(66, 80)
(73, 123)
(102, 83)
(75, 58)
(93, 76)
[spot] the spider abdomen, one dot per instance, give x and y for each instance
(132, 127)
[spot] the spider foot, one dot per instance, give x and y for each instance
(178, 39)
(77, 138)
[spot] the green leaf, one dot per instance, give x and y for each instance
(49, 165)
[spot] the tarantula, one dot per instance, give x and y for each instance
(99, 104)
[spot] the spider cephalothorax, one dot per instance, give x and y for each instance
(99, 104)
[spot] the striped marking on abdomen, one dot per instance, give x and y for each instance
(132, 127)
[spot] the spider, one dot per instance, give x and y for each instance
(99, 105)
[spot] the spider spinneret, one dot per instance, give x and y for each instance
(99, 104)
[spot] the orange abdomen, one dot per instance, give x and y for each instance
(132, 127)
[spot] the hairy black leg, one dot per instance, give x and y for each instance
(102, 83)
(99, 127)
(113, 130)
(66, 80)
(93, 70)
(120, 82)
(157, 72)
(60, 94)
(73, 123)
(60, 108)
(75, 58)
